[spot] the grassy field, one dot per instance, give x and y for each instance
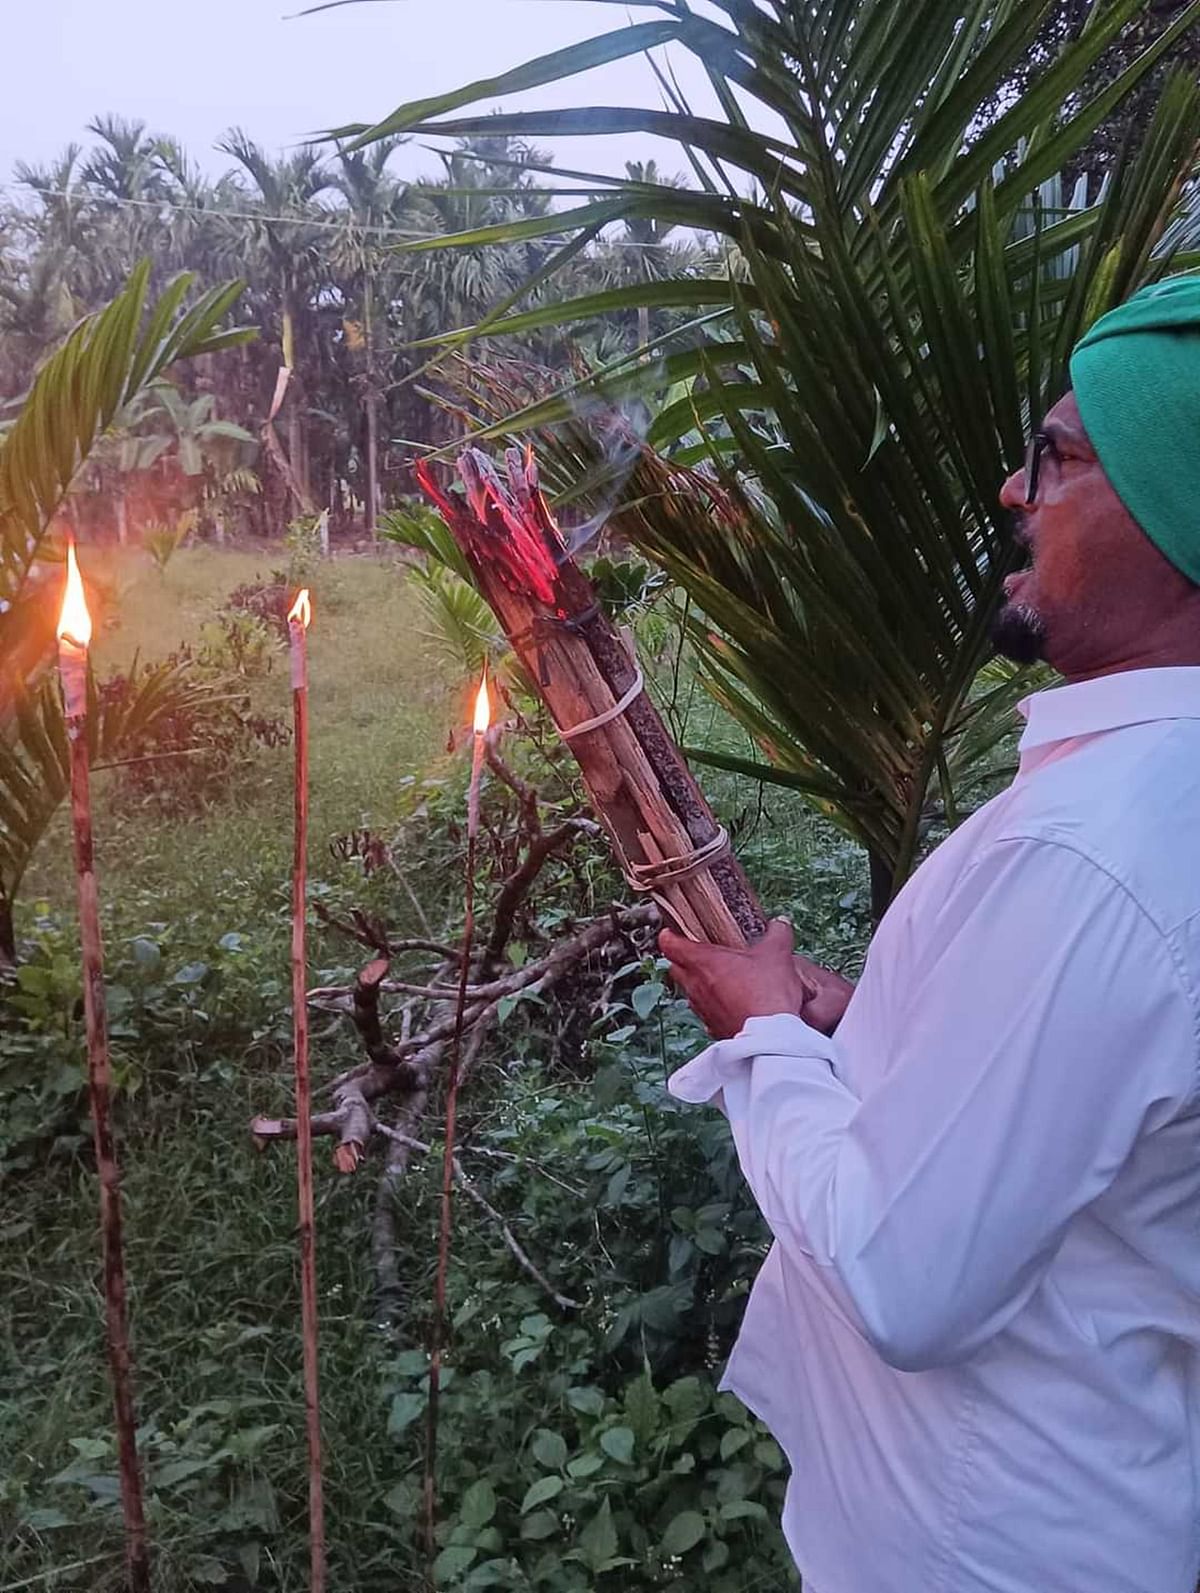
(381, 704)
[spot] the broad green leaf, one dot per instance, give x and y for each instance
(641, 1408)
(452, 1562)
(617, 1444)
(540, 1492)
(598, 1542)
(683, 1532)
(588, 1400)
(404, 1411)
(541, 1524)
(645, 998)
(549, 1449)
(478, 1504)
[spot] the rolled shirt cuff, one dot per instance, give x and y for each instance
(782, 1035)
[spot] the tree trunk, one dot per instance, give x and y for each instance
(882, 884)
(643, 324)
(372, 505)
(297, 443)
(8, 932)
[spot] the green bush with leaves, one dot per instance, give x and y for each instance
(581, 1448)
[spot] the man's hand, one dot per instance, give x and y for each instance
(825, 1009)
(728, 985)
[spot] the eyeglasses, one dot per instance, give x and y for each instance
(1040, 443)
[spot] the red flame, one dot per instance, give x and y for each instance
(300, 612)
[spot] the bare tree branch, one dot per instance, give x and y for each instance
(563, 1301)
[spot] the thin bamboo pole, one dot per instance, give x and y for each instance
(298, 637)
(437, 1331)
(74, 631)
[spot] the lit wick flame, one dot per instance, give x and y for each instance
(74, 621)
(300, 612)
(483, 708)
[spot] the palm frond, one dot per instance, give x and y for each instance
(912, 276)
(81, 390)
(35, 776)
(462, 628)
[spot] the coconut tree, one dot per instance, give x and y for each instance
(867, 378)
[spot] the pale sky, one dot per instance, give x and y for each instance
(193, 68)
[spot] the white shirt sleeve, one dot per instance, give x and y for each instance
(1046, 1030)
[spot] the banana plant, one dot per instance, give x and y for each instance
(907, 293)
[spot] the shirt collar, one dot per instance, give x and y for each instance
(1131, 697)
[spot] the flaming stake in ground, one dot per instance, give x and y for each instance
(74, 634)
(298, 623)
(483, 714)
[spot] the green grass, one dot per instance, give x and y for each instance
(381, 708)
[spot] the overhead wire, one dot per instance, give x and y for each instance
(258, 216)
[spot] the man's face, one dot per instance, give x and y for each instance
(1095, 582)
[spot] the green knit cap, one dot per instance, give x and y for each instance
(1136, 376)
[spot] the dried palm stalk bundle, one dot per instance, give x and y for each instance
(664, 835)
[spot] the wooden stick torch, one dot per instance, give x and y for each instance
(74, 635)
(437, 1332)
(299, 619)
(664, 835)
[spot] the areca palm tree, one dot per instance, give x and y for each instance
(43, 292)
(643, 252)
(906, 312)
(285, 192)
(375, 204)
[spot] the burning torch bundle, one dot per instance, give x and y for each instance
(663, 833)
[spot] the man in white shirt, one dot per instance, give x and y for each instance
(976, 1333)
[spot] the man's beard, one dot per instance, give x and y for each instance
(1019, 634)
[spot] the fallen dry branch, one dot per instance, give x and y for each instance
(405, 1051)
(400, 1067)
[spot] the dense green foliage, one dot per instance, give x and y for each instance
(835, 388)
(571, 1440)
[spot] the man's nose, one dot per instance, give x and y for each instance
(1012, 493)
